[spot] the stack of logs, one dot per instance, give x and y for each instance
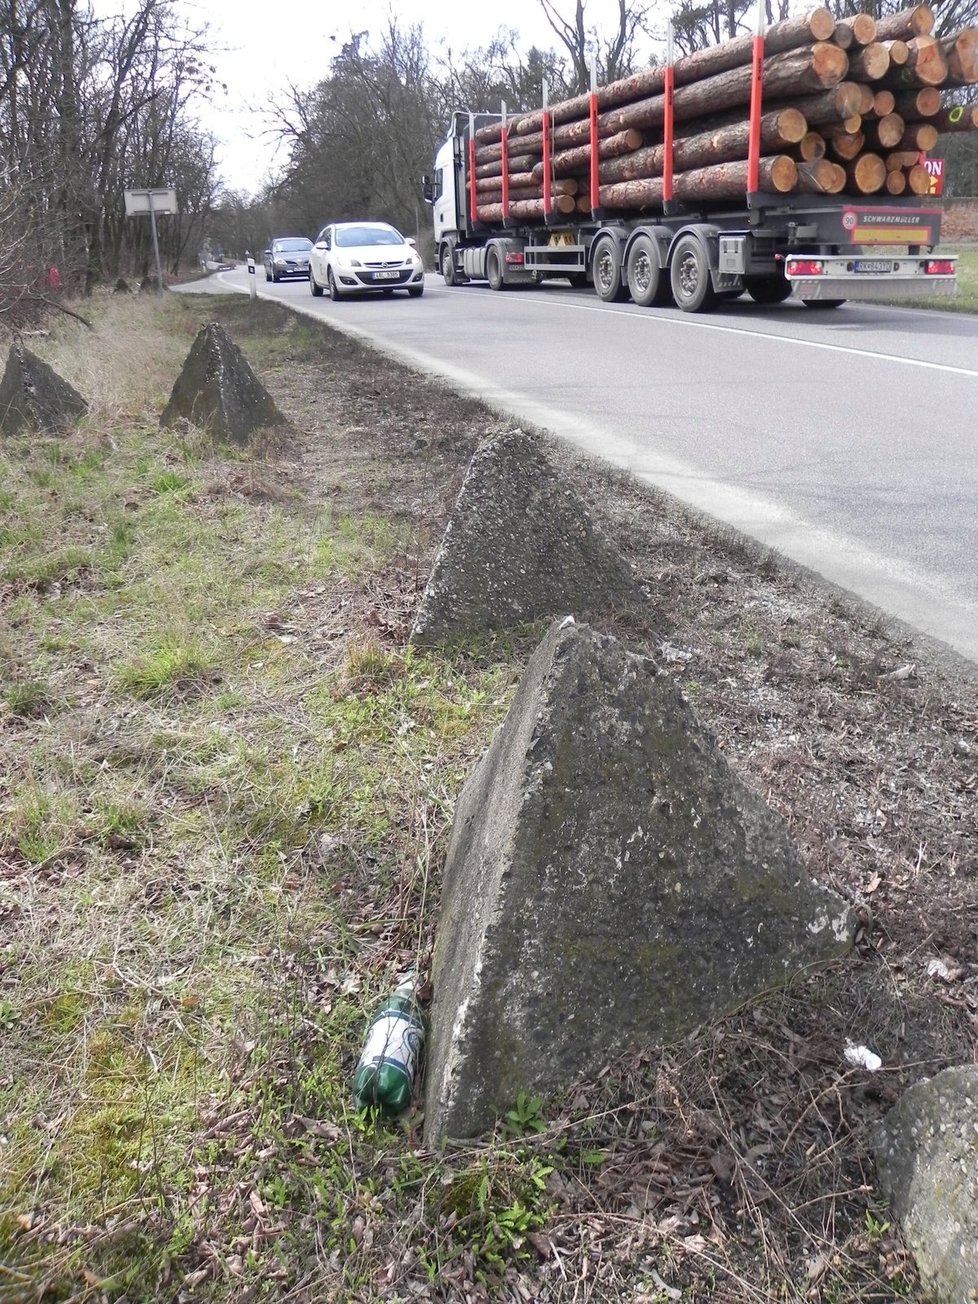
(848, 105)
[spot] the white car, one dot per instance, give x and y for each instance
(350, 257)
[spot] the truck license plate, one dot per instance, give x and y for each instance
(386, 276)
(873, 265)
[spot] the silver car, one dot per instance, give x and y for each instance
(287, 256)
(351, 257)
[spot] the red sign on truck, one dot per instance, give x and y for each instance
(935, 168)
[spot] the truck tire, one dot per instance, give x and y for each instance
(823, 303)
(648, 283)
(607, 271)
(494, 271)
(446, 265)
(692, 285)
(767, 289)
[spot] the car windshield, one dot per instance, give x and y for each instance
(350, 237)
(298, 246)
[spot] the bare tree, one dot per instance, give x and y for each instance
(613, 52)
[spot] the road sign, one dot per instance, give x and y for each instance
(935, 169)
(138, 202)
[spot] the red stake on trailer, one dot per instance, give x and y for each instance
(667, 119)
(547, 206)
(757, 78)
(593, 117)
(505, 157)
(472, 204)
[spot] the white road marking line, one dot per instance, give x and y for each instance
(656, 320)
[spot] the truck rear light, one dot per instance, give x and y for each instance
(514, 260)
(939, 267)
(803, 267)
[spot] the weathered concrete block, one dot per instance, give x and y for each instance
(218, 391)
(520, 545)
(609, 883)
(34, 397)
(927, 1155)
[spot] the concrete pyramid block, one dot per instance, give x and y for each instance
(927, 1155)
(218, 391)
(609, 883)
(520, 545)
(34, 397)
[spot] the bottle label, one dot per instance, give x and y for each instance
(393, 1039)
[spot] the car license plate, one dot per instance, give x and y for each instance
(873, 265)
(386, 276)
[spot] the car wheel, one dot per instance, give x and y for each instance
(331, 286)
(415, 291)
(268, 276)
(692, 285)
(314, 285)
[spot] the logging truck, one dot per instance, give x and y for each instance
(784, 164)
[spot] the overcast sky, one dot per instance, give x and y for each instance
(267, 46)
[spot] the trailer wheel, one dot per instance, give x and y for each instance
(823, 303)
(767, 289)
(494, 271)
(692, 287)
(606, 269)
(647, 281)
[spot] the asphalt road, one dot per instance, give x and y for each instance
(847, 439)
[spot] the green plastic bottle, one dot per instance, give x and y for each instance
(391, 1053)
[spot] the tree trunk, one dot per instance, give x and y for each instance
(845, 144)
(916, 21)
(867, 174)
(811, 147)
(522, 163)
(728, 145)
(843, 37)
(918, 180)
(884, 102)
(804, 29)
(918, 104)
(886, 132)
(961, 52)
(925, 66)
(898, 51)
(957, 117)
(862, 26)
(526, 210)
(896, 183)
(870, 63)
(921, 136)
(703, 185)
(836, 105)
(576, 160)
(820, 177)
(901, 159)
(526, 181)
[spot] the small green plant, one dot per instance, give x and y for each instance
(172, 667)
(28, 701)
(170, 482)
(876, 1229)
(526, 1116)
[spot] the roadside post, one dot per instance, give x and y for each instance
(252, 279)
(140, 202)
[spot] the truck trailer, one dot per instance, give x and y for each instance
(691, 252)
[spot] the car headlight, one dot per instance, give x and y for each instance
(348, 262)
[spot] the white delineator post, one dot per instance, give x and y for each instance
(252, 279)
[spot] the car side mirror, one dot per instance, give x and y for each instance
(409, 239)
(266, 253)
(428, 190)
(320, 244)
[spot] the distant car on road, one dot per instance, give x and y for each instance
(350, 257)
(287, 256)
